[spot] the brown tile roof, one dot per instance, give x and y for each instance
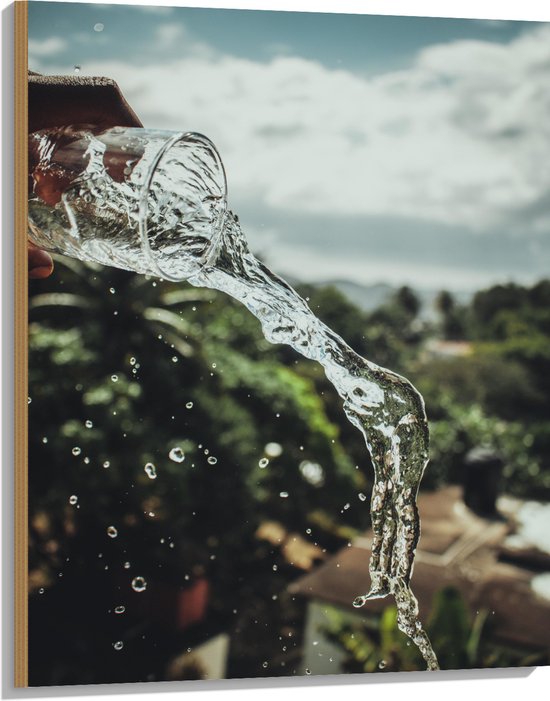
(456, 548)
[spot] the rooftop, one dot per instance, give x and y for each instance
(493, 567)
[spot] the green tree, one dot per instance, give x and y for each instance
(453, 324)
(122, 371)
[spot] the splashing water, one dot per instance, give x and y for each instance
(150, 471)
(384, 406)
(139, 584)
(177, 454)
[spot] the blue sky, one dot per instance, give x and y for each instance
(359, 43)
(378, 149)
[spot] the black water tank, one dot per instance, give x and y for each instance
(482, 477)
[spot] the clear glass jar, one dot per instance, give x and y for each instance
(144, 200)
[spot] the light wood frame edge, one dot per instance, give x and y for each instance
(21, 346)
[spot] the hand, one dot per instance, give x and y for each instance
(58, 101)
(40, 263)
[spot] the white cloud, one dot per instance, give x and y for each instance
(169, 34)
(310, 265)
(461, 137)
(176, 38)
(47, 47)
(152, 9)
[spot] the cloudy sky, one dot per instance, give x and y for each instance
(374, 149)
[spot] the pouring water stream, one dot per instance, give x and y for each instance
(208, 248)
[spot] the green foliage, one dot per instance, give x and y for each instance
(498, 393)
(121, 371)
(460, 640)
(453, 324)
(335, 310)
(372, 649)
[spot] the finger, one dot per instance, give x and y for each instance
(40, 263)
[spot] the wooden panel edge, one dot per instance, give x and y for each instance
(21, 346)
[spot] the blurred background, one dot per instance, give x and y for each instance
(198, 502)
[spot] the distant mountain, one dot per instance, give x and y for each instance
(365, 297)
(370, 297)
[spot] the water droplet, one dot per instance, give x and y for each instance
(150, 471)
(127, 565)
(346, 507)
(174, 359)
(189, 405)
(359, 601)
(73, 499)
(114, 378)
(212, 460)
(316, 642)
(120, 609)
(362, 497)
(88, 424)
(29, 400)
(139, 584)
(274, 568)
(382, 664)
(273, 450)
(77, 69)
(41, 590)
(308, 671)
(99, 27)
(132, 361)
(264, 462)
(118, 645)
(112, 532)
(214, 365)
(264, 665)
(283, 495)
(106, 464)
(112, 290)
(76, 450)
(44, 440)
(177, 454)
